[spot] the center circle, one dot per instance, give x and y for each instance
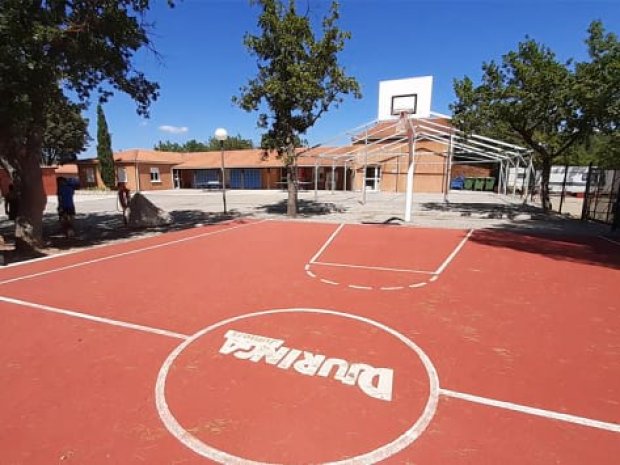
(297, 386)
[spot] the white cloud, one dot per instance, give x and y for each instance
(174, 129)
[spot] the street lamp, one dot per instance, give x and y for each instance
(221, 134)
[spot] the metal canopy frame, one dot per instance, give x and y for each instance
(378, 141)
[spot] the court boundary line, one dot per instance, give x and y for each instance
(108, 244)
(454, 253)
(434, 274)
(97, 319)
(326, 244)
(548, 414)
(123, 254)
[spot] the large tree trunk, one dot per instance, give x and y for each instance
(291, 181)
(28, 181)
(544, 184)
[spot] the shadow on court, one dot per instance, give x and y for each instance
(304, 208)
(101, 228)
(484, 210)
(553, 244)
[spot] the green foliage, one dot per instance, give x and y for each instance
(551, 107)
(232, 143)
(599, 80)
(298, 78)
(50, 46)
(104, 150)
(66, 134)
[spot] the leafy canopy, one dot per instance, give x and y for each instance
(50, 47)
(556, 109)
(66, 134)
(232, 143)
(298, 78)
(551, 107)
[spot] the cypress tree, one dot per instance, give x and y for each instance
(104, 150)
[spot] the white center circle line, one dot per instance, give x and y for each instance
(222, 457)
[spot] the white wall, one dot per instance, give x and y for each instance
(421, 86)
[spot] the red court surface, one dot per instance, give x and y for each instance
(268, 342)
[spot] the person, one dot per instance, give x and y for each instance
(66, 207)
(124, 195)
(11, 203)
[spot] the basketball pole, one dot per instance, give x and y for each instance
(410, 168)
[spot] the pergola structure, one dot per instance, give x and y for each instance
(376, 141)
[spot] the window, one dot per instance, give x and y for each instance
(155, 174)
(90, 175)
(121, 174)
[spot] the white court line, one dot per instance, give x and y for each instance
(454, 252)
(609, 240)
(98, 319)
(327, 242)
(378, 268)
(123, 254)
(614, 427)
(376, 455)
(365, 288)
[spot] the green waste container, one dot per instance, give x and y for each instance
(469, 184)
(479, 184)
(489, 184)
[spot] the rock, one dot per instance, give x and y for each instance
(144, 214)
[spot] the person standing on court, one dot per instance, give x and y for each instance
(11, 203)
(66, 207)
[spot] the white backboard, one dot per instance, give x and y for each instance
(411, 94)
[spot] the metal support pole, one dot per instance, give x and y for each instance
(514, 184)
(364, 178)
(223, 175)
(563, 187)
(449, 167)
(410, 171)
(333, 175)
(316, 179)
(500, 177)
(528, 177)
(365, 166)
(345, 176)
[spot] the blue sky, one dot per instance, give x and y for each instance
(203, 61)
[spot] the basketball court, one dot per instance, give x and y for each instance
(272, 342)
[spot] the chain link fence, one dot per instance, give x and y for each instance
(601, 196)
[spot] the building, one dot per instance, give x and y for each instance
(373, 157)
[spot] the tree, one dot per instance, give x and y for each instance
(232, 143)
(104, 150)
(66, 134)
(298, 79)
(533, 99)
(599, 80)
(86, 46)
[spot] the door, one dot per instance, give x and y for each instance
(176, 179)
(373, 178)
